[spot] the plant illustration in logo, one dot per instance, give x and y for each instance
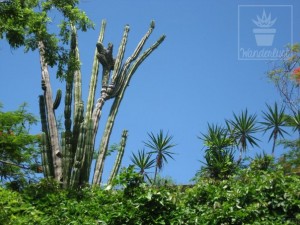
(264, 21)
(264, 34)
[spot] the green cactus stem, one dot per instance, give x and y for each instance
(75, 173)
(106, 92)
(94, 77)
(57, 99)
(119, 158)
(53, 132)
(87, 149)
(88, 154)
(45, 159)
(127, 71)
(45, 145)
(78, 103)
(67, 135)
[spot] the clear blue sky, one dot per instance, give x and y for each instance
(192, 79)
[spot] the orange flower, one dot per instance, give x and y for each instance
(296, 75)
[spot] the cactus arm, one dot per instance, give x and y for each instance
(77, 73)
(120, 54)
(82, 150)
(64, 159)
(88, 154)
(57, 99)
(120, 79)
(53, 132)
(78, 103)
(45, 159)
(45, 146)
(119, 158)
(78, 120)
(139, 61)
(75, 174)
(117, 101)
(94, 77)
(105, 94)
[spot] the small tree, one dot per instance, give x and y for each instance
(143, 162)
(160, 145)
(219, 153)
(285, 76)
(19, 155)
(242, 128)
(274, 120)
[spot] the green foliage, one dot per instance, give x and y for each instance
(284, 79)
(26, 22)
(251, 197)
(143, 162)
(16, 211)
(274, 120)
(262, 162)
(160, 145)
(243, 127)
(18, 148)
(290, 161)
(219, 153)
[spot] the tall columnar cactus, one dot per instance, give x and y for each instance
(52, 125)
(128, 69)
(70, 163)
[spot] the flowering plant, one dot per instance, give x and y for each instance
(296, 74)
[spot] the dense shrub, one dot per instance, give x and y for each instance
(250, 197)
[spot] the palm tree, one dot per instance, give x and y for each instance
(242, 128)
(274, 120)
(216, 138)
(143, 161)
(160, 145)
(219, 154)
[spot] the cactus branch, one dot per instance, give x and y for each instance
(53, 132)
(94, 77)
(117, 101)
(119, 158)
(57, 100)
(45, 145)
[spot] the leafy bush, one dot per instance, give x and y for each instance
(251, 197)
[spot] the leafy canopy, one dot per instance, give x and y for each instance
(27, 22)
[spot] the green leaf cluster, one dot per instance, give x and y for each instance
(19, 154)
(252, 196)
(27, 22)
